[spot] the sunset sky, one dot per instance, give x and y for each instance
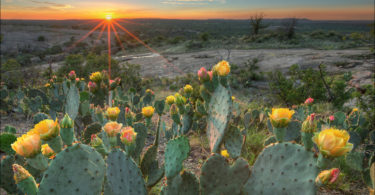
(188, 9)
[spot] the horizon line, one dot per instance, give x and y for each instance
(192, 19)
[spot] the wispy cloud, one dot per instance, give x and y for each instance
(51, 5)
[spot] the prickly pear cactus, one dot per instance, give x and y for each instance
(233, 141)
(78, 169)
(123, 174)
(283, 168)
(141, 130)
(184, 183)
(293, 131)
(39, 117)
(6, 175)
(218, 177)
(6, 139)
(219, 112)
(177, 150)
(72, 102)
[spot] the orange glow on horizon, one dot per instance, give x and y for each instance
(313, 13)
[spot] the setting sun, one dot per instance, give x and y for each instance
(108, 17)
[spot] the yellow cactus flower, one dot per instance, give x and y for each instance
(281, 117)
(222, 68)
(47, 151)
(20, 173)
(47, 85)
(148, 111)
(128, 135)
(96, 76)
(233, 98)
(327, 176)
(47, 129)
(188, 89)
(170, 99)
(28, 145)
(112, 128)
(333, 142)
(224, 153)
(355, 110)
(113, 112)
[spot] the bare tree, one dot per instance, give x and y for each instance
(256, 22)
(290, 27)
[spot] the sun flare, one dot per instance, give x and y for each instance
(108, 17)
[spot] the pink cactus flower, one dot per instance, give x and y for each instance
(203, 74)
(331, 118)
(309, 101)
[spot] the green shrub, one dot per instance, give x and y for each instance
(304, 83)
(11, 73)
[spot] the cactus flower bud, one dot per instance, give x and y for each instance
(112, 128)
(170, 99)
(67, 130)
(310, 124)
(47, 129)
(222, 68)
(180, 100)
(331, 118)
(24, 180)
(47, 151)
(112, 113)
(95, 140)
(148, 111)
(66, 122)
(188, 89)
(210, 74)
(224, 153)
(149, 91)
(203, 75)
(96, 77)
(72, 75)
(28, 145)
(174, 109)
(281, 117)
(333, 142)
(20, 173)
(327, 176)
(309, 101)
(127, 110)
(128, 135)
(92, 86)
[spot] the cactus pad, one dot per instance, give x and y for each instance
(219, 112)
(123, 175)
(141, 130)
(80, 167)
(183, 184)
(233, 141)
(177, 150)
(72, 102)
(218, 177)
(6, 175)
(283, 168)
(39, 117)
(6, 139)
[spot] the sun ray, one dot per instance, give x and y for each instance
(148, 47)
(117, 37)
(85, 36)
(97, 39)
(109, 51)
